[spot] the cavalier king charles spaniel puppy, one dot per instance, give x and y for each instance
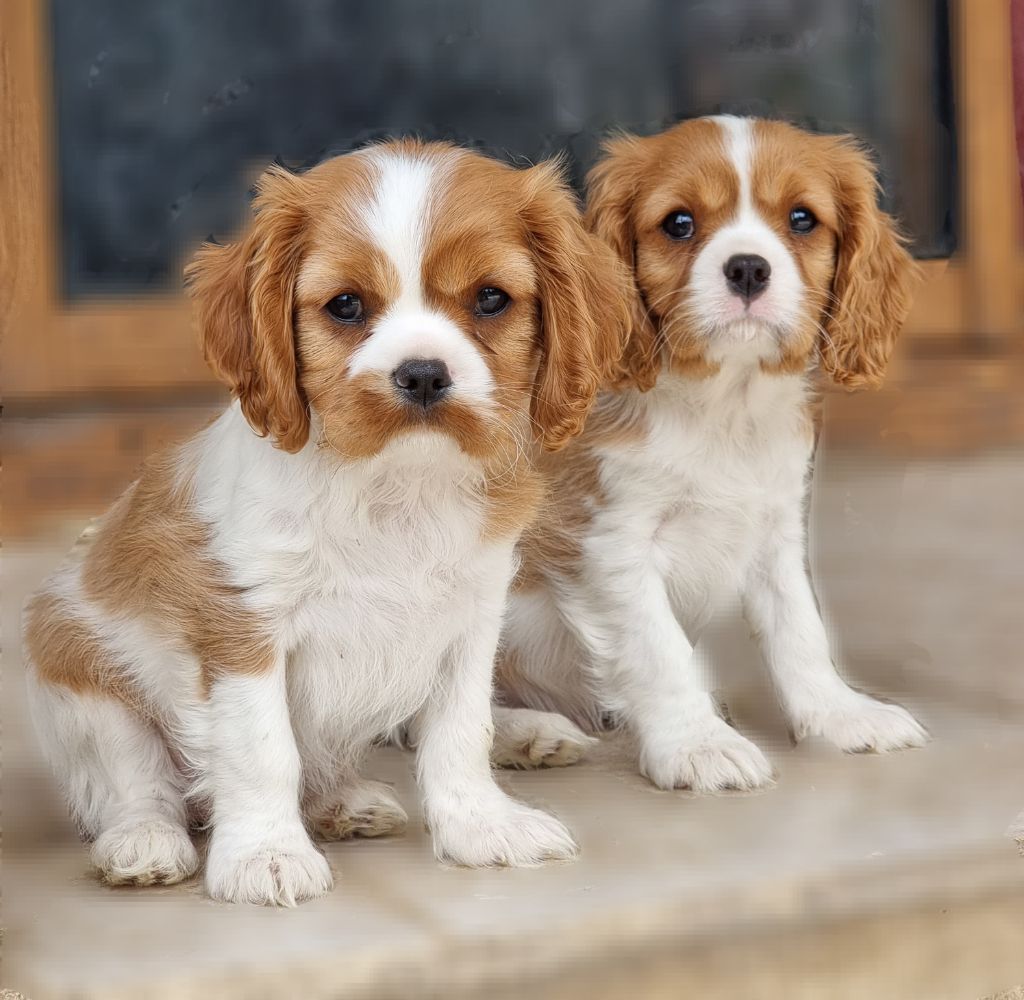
(329, 559)
(759, 256)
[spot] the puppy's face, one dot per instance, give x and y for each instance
(408, 288)
(756, 237)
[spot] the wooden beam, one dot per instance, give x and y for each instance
(26, 236)
(104, 347)
(991, 208)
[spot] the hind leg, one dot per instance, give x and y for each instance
(337, 803)
(121, 785)
(356, 807)
(527, 738)
(540, 669)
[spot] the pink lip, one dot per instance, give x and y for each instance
(738, 312)
(764, 314)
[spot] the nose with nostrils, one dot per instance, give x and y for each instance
(747, 275)
(422, 382)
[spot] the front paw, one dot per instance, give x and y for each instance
(500, 832)
(706, 757)
(857, 723)
(276, 874)
(146, 852)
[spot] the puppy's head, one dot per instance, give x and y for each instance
(757, 237)
(413, 287)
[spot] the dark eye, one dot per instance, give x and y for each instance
(678, 225)
(490, 301)
(802, 220)
(347, 308)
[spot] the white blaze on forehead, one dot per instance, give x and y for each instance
(398, 218)
(739, 147)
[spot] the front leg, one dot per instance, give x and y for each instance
(645, 671)
(781, 609)
(260, 851)
(472, 820)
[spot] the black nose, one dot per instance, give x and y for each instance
(747, 275)
(422, 382)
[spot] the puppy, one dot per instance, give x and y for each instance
(759, 254)
(329, 559)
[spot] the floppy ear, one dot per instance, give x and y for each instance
(244, 295)
(871, 291)
(612, 187)
(583, 292)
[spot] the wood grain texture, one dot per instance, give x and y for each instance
(25, 252)
(991, 208)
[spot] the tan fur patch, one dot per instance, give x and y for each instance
(551, 546)
(513, 498)
(67, 653)
(151, 559)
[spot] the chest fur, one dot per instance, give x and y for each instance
(715, 470)
(367, 555)
(390, 575)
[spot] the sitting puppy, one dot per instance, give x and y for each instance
(329, 559)
(757, 250)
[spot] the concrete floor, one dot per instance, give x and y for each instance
(854, 877)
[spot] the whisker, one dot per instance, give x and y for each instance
(828, 340)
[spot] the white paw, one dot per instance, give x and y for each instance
(501, 832)
(147, 852)
(366, 809)
(525, 738)
(274, 875)
(858, 723)
(710, 756)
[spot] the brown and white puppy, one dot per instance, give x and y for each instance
(329, 559)
(759, 254)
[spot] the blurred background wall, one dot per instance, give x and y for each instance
(133, 129)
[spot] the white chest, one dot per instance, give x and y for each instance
(377, 603)
(717, 467)
(385, 574)
(399, 594)
(374, 565)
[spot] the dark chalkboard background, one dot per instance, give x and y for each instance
(164, 108)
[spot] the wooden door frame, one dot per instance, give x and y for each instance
(53, 349)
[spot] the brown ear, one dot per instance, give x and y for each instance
(612, 187)
(872, 288)
(583, 303)
(244, 295)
